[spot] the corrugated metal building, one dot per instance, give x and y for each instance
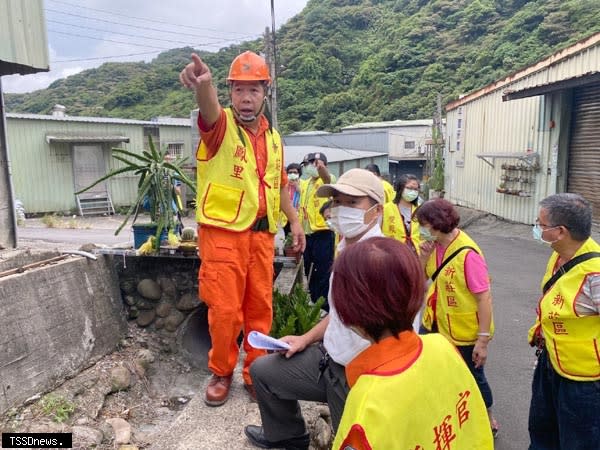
(339, 160)
(23, 49)
(529, 135)
(54, 156)
(403, 140)
(23, 44)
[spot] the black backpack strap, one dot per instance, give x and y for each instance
(568, 266)
(449, 258)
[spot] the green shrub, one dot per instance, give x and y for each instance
(58, 408)
(294, 314)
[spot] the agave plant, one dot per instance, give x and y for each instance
(156, 186)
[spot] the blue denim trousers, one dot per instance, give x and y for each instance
(564, 414)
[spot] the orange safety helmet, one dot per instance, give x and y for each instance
(249, 67)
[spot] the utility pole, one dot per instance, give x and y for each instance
(436, 161)
(273, 67)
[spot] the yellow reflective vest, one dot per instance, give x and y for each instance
(572, 341)
(228, 183)
(432, 403)
(449, 302)
(388, 191)
(393, 226)
(310, 204)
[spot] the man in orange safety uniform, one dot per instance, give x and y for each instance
(242, 186)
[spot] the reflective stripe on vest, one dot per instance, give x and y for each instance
(228, 183)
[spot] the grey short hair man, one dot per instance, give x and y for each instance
(564, 403)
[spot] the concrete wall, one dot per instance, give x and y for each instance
(55, 321)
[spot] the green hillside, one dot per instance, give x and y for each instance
(344, 61)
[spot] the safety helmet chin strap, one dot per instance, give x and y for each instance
(263, 109)
(258, 113)
(249, 119)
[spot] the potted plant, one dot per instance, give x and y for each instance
(157, 192)
(188, 245)
(288, 247)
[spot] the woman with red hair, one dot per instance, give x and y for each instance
(459, 301)
(407, 391)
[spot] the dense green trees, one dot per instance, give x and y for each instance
(343, 61)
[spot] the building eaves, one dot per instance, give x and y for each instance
(553, 59)
(540, 89)
(84, 119)
(84, 138)
(389, 124)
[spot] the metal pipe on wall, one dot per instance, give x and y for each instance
(8, 237)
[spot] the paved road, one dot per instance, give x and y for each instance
(516, 265)
(76, 237)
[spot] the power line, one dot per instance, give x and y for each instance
(129, 17)
(130, 35)
(137, 26)
(106, 40)
(102, 57)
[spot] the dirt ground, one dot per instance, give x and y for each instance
(161, 383)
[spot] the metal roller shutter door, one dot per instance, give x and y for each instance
(584, 149)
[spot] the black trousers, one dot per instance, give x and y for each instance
(318, 258)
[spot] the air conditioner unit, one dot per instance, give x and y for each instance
(421, 150)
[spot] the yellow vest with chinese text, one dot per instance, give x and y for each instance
(572, 341)
(449, 302)
(381, 406)
(393, 226)
(388, 191)
(310, 204)
(228, 183)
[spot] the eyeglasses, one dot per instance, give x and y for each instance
(292, 172)
(548, 227)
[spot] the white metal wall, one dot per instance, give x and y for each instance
(489, 125)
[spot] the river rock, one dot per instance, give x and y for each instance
(187, 302)
(149, 289)
(145, 318)
(120, 378)
(122, 430)
(87, 436)
(174, 320)
(163, 309)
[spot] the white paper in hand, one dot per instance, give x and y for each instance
(259, 340)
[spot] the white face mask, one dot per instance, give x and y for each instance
(311, 171)
(293, 176)
(426, 234)
(349, 222)
(538, 232)
(410, 194)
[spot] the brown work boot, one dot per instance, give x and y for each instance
(217, 390)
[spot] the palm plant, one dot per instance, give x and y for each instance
(156, 185)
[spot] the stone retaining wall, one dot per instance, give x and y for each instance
(55, 320)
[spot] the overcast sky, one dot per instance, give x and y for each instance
(86, 33)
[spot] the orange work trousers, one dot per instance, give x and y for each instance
(236, 283)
